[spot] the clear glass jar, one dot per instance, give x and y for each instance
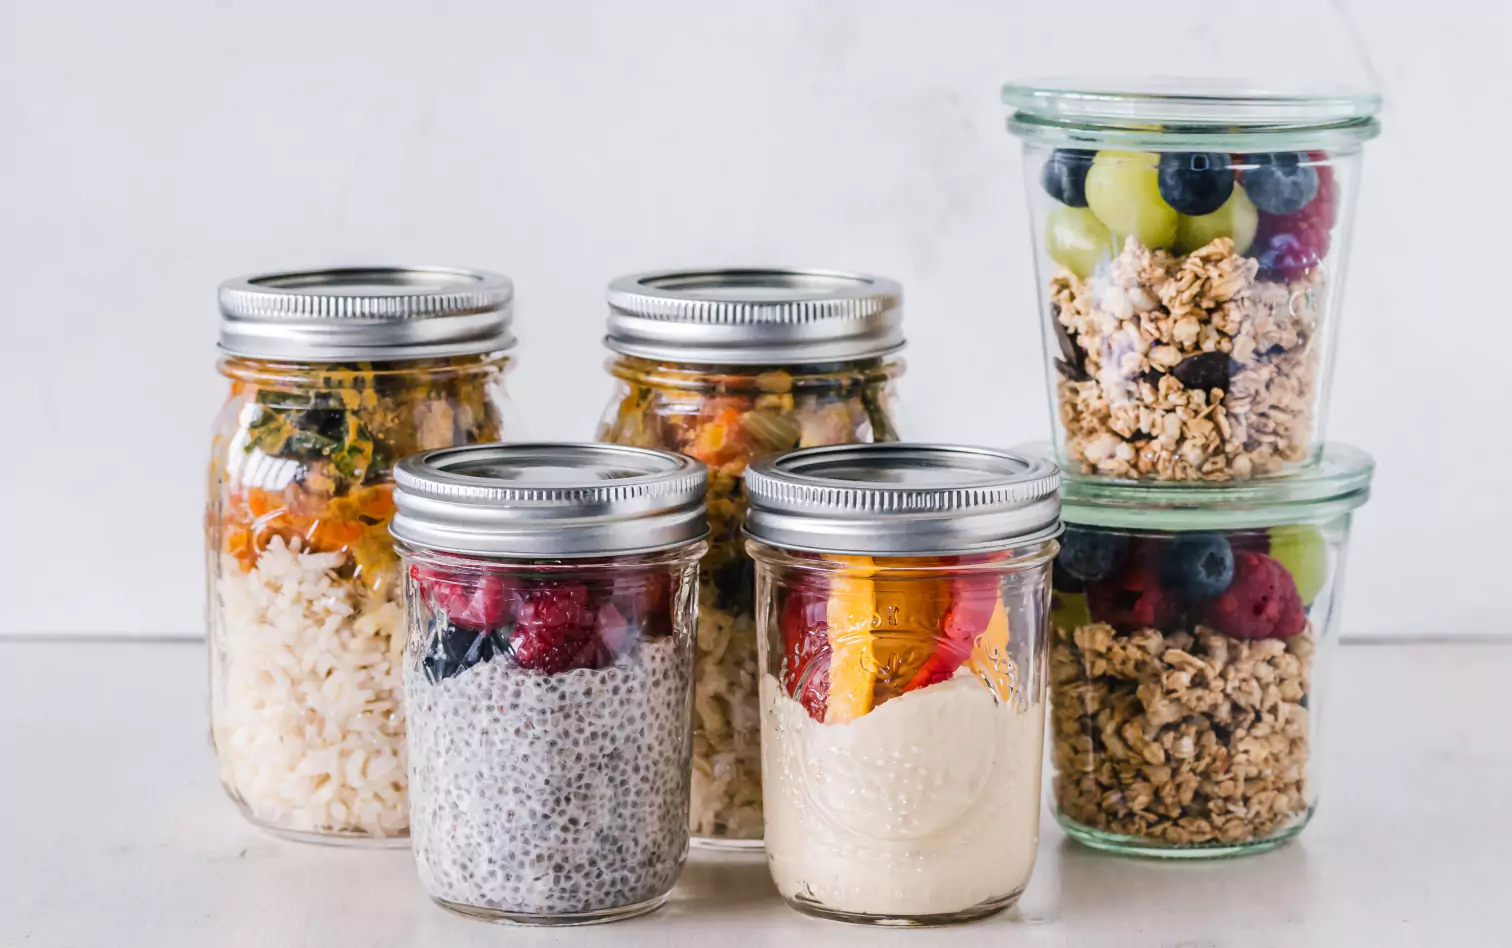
(1192, 630)
(902, 594)
(821, 374)
(551, 592)
(303, 595)
(1190, 246)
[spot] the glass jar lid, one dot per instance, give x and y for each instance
(366, 314)
(1215, 114)
(754, 316)
(549, 500)
(901, 499)
(1337, 484)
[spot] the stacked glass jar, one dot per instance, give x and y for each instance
(335, 375)
(1190, 246)
(727, 366)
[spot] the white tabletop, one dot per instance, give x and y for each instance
(114, 832)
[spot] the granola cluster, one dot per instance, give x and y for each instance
(1186, 367)
(1180, 738)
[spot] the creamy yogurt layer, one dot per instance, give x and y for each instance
(926, 805)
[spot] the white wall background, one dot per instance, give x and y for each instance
(149, 150)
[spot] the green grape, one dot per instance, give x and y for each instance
(1069, 610)
(1077, 240)
(1237, 218)
(1123, 190)
(1304, 553)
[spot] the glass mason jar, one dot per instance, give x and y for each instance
(1192, 630)
(902, 595)
(335, 375)
(551, 595)
(726, 366)
(1190, 245)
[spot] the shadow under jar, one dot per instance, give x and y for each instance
(902, 593)
(1192, 628)
(550, 597)
(727, 366)
(335, 375)
(1190, 243)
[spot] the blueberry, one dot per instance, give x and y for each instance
(1065, 175)
(1092, 555)
(1195, 182)
(453, 650)
(1197, 566)
(1281, 183)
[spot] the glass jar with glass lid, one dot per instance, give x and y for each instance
(726, 366)
(902, 592)
(334, 376)
(549, 673)
(1192, 629)
(1190, 240)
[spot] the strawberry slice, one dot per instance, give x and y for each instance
(806, 650)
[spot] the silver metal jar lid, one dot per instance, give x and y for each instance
(549, 500)
(366, 314)
(901, 499)
(754, 316)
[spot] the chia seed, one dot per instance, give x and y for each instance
(552, 794)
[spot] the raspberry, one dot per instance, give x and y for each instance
(1262, 602)
(1288, 245)
(467, 600)
(645, 601)
(554, 630)
(1134, 599)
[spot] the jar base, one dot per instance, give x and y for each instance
(727, 844)
(1124, 845)
(564, 920)
(327, 838)
(973, 914)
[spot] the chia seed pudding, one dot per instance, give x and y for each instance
(546, 794)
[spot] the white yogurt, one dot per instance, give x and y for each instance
(927, 805)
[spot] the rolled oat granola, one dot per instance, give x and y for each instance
(1187, 367)
(1184, 738)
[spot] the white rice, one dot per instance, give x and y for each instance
(307, 696)
(726, 797)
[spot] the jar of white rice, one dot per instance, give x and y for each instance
(335, 375)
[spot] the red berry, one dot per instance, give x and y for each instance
(467, 599)
(804, 624)
(1288, 245)
(615, 633)
(645, 600)
(1134, 599)
(554, 630)
(1261, 603)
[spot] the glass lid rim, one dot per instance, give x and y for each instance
(1222, 104)
(1344, 473)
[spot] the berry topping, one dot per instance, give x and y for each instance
(1123, 190)
(453, 650)
(1134, 600)
(469, 600)
(806, 648)
(1261, 603)
(1091, 555)
(1281, 183)
(645, 601)
(1197, 566)
(1065, 175)
(1287, 246)
(1195, 182)
(554, 630)
(1205, 371)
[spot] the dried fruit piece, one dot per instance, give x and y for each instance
(1205, 371)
